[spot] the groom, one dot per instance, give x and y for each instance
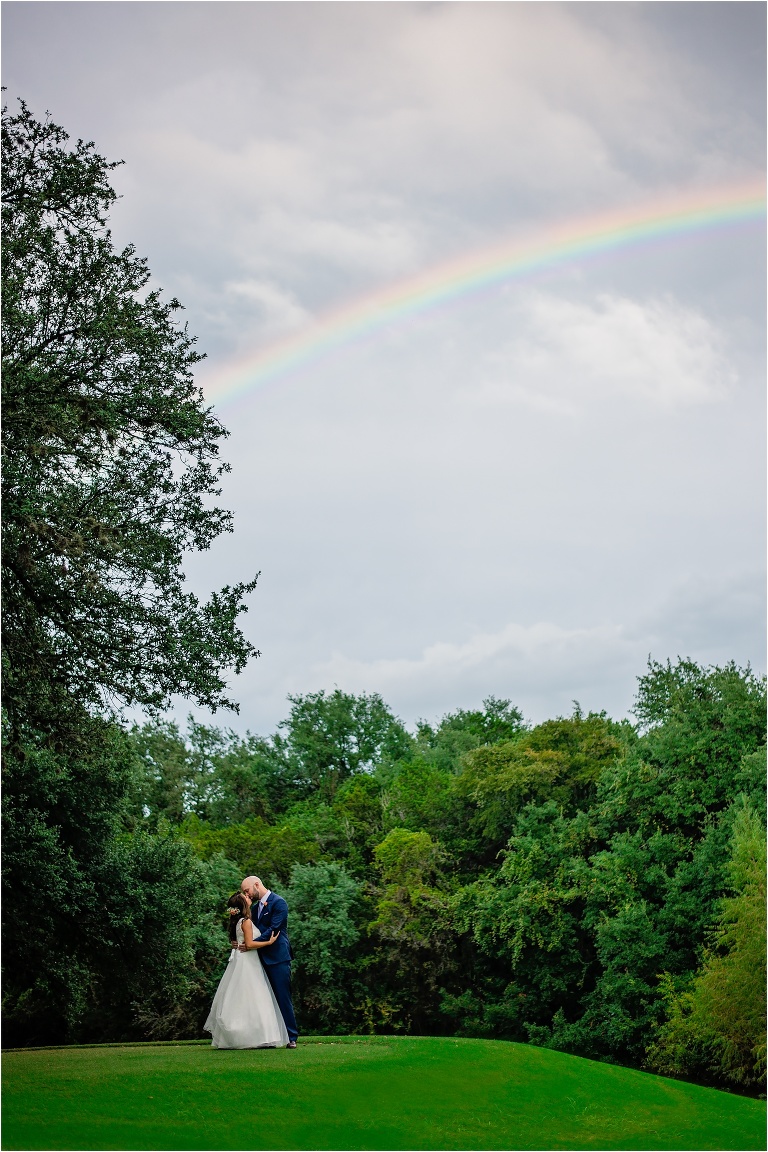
(269, 913)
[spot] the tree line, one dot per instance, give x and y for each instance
(585, 884)
(592, 886)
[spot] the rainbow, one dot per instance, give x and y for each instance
(510, 260)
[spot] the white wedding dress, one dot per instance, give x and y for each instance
(244, 1013)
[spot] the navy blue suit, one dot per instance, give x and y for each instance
(277, 957)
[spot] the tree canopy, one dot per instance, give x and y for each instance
(110, 474)
(110, 455)
(583, 884)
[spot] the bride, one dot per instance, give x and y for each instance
(244, 1013)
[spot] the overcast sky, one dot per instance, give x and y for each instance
(524, 493)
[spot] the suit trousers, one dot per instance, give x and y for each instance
(279, 976)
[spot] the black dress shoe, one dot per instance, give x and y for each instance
(291, 1044)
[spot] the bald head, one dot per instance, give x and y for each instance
(253, 888)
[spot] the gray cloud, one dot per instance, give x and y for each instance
(522, 493)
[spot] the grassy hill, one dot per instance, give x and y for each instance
(358, 1093)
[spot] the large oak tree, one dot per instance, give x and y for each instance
(110, 456)
(110, 475)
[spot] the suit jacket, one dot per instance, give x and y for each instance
(274, 918)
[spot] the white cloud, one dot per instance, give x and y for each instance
(278, 311)
(565, 352)
(514, 649)
(368, 143)
(543, 667)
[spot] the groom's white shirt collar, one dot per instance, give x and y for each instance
(265, 897)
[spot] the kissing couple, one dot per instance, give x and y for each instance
(252, 1007)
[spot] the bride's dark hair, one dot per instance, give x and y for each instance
(238, 902)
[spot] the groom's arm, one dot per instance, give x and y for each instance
(279, 918)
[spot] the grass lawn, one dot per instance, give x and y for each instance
(358, 1093)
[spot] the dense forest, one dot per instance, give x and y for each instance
(586, 884)
(583, 884)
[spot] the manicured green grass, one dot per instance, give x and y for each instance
(358, 1093)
